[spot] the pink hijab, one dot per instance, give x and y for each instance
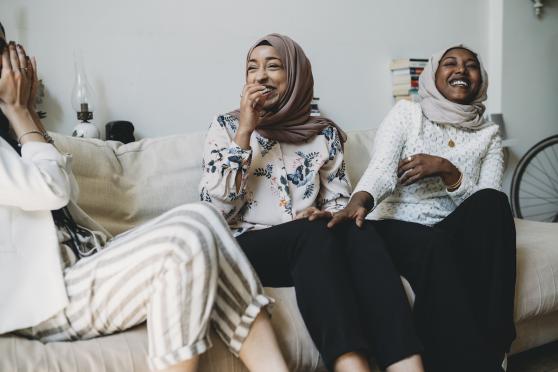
(290, 121)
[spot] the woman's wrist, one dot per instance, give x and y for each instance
(16, 113)
(242, 138)
(450, 174)
(362, 199)
(24, 126)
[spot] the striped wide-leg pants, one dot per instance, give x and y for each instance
(179, 272)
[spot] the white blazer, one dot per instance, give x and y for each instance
(32, 285)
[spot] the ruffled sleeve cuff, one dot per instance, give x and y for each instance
(239, 158)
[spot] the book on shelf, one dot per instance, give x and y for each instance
(400, 63)
(407, 71)
(402, 89)
(404, 79)
(408, 97)
(405, 74)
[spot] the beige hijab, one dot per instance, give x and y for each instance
(290, 121)
(440, 110)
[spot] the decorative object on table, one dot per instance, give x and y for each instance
(83, 102)
(314, 109)
(120, 130)
(404, 77)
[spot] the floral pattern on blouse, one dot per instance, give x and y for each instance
(278, 180)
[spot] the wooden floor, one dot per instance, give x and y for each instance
(540, 359)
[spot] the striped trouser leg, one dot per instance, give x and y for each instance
(177, 272)
(240, 295)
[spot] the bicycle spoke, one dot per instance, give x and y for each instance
(552, 188)
(537, 186)
(535, 182)
(539, 205)
(553, 148)
(535, 195)
(550, 161)
(545, 172)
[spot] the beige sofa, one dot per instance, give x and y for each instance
(123, 185)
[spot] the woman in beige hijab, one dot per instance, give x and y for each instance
(271, 168)
(434, 182)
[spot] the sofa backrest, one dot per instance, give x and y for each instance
(122, 185)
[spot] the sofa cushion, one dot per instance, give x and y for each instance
(122, 185)
(537, 269)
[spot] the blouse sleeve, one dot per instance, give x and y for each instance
(38, 180)
(380, 178)
(223, 159)
(490, 174)
(335, 187)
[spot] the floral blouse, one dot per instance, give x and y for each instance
(278, 179)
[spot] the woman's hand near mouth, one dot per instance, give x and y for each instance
(251, 102)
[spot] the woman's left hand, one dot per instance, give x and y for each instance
(35, 83)
(419, 166)
(312, 213)
(15, 86)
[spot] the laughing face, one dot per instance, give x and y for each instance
(266, 68)
(458, 77)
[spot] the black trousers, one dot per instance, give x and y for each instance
(347, 288)
(463, 273)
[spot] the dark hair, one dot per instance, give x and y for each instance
(264, 42)
(5, 131)
(2, 29)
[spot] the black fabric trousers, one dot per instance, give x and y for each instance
(462, 271)
(348, 290)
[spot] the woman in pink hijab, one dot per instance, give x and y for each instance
(273, 170)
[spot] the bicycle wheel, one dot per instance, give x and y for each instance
(534, 188)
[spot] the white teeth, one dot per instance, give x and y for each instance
(461, 83)
(267, 90)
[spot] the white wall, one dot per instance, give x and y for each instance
(530, 70)
(170, 65)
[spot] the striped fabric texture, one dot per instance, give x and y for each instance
(180, 272)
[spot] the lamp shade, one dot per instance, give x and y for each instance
(83, 95)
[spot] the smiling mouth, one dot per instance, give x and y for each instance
(460, 83)
(268, 90)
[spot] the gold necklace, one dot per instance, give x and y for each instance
(451, 142)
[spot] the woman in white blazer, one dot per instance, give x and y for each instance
(63, 277)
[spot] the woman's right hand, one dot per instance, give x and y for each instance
(359, 206)
(16, 84)
(250, 109)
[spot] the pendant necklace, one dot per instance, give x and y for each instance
(451, 142)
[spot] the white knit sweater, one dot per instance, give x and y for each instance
(406, 131)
